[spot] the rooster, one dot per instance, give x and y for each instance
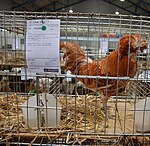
(122, 62)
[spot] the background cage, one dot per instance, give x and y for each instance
(82, 119)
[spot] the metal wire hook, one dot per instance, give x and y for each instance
(44, 17)
(41, 102)
(42, 21)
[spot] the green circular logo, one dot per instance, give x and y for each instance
(43, 28)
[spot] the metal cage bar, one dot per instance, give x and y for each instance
(76, 107)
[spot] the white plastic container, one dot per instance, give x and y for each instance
(142, 115)
(48, 113)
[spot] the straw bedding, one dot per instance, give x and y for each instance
(11, 112)
(12, 117)
(91, 113)
(12, 58)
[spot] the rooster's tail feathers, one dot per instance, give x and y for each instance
(73, 55)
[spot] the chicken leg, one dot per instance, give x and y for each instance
(105, 100)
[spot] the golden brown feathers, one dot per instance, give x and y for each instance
(122, 62)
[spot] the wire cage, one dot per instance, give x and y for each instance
(66, 100)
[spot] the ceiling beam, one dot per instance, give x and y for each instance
(69, 5)
(44, 7)
(129, 6)
(138, 6)
(22, 4)
(108, 1)
(60, 3)
(113, 0)
(146, 2)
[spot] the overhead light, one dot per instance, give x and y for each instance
(70, 11)
(117, 12)
(122, 0)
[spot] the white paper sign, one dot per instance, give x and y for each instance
(42, 46)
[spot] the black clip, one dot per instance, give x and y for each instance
(42, 21)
